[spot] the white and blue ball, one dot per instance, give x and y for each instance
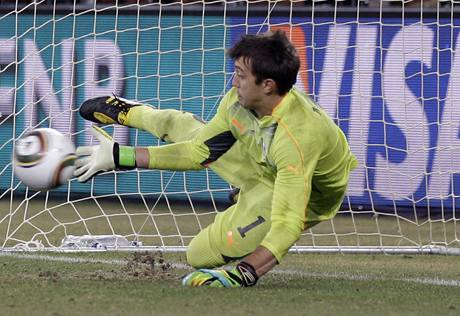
(43, 159)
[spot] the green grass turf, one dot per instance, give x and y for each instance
(308, 284)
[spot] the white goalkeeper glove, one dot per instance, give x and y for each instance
(106, 156)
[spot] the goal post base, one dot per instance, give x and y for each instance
(403, 250)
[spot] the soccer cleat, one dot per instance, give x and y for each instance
(106, 110)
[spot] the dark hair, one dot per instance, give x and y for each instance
(271, 56)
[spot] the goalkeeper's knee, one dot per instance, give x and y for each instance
(200, 254)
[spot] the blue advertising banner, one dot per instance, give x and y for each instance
(51, 64)
(389, 84)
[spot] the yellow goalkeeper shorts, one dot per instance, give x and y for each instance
(235, 232)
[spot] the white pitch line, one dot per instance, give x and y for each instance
(366, 277)
(346, 276)
(76, 260)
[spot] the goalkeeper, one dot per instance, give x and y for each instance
(287, 157)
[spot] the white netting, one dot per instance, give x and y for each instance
(385, 70)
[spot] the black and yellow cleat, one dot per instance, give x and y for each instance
(106, 110)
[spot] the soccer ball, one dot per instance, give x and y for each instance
(43, 159)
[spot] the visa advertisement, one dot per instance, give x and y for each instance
(390, 84)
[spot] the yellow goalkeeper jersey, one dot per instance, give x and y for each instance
(297, 151)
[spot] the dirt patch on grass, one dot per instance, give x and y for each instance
(49, 275)
(147, 265)
(138, 266)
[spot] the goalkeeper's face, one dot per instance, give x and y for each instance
(250, 94)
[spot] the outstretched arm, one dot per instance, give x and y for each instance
(109, 155)
(213, 140)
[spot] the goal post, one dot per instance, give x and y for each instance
(385, 73)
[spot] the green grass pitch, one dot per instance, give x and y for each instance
(107, 283)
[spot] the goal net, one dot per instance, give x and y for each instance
(384, 70)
